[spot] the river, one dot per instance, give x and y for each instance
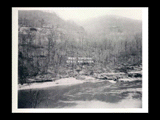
(103, 94)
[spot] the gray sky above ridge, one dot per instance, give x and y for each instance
(84, 14)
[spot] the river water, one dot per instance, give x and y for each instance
(103, 94)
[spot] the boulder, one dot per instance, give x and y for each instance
(65, 76)
(82, 72)
(30, 80)
(100, 76)
(129, 79)
(95, 75)
(80, 77)
(43, 77)
(109, 76)
(103, 76)
(135, 74)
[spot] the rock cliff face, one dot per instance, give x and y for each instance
(46, 20)
(40, 35)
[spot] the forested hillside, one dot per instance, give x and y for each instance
(46, 41)
(117, 40)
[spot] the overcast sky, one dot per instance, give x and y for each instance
(83, 13)
(86, 13)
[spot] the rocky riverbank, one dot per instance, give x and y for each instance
(48, 80)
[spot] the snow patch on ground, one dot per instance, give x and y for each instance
(64, 81)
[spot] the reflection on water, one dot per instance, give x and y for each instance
(86, 95)
(126, 103)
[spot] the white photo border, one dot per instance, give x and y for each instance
(145, 98)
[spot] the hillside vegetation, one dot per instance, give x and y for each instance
(46, 41)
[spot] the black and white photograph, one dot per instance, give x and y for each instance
(87, 59)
